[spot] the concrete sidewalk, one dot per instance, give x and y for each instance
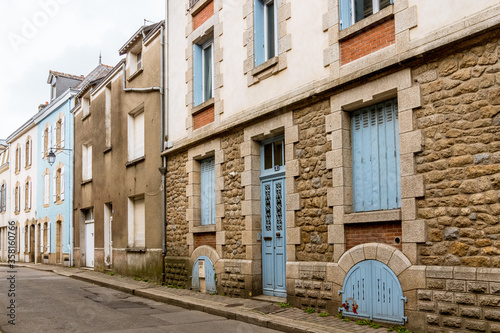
(252, 311)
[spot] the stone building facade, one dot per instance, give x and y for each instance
(287, 158)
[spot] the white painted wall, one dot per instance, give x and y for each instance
(177, 43)
(435, 14)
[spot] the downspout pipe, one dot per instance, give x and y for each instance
(163, 169)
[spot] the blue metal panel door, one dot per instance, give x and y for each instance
(372, 290)
(273, 237)
(209, 276)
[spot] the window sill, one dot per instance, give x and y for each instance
(86, 181)
(367, 23)
(198, 6)
(27, 210)
(136, 249)
(136, 74)
(85, 116)
(27, 167)
(205, 105)
(204, 228)
(59, 202)
(135, 161)
(266, 65)
(375, 216)
(107, 150)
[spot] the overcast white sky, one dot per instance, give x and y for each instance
(62, 35)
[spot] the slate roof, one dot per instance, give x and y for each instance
(69, 76)
(94, 77)
(146, 30)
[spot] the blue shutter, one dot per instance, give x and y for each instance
(375, 158)
(208, 191)
(197, 75)
(258, 25)
(345, 13)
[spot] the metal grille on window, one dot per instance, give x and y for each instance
(268, 206)
(279, 210)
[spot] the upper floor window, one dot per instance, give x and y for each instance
(60, 133)
(107, 113)
(352, 11)
(46, 188)
(58, 194)
(203, 72)
(266, 30)
(86, 105)
(375, 157)
(46, 140)
(136, 135)
(86, 162)
(27, 194)
(18, 158)
(28, 152)
(17, 199)
(3, 198)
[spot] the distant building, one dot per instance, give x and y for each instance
(4, 199)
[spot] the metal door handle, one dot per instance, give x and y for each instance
(268, 238)
(278, 234)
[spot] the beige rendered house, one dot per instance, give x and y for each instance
(341, 154)
(117, 154)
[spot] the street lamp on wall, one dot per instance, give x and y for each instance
(51, 156)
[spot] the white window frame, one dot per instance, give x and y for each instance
(204, 70)
(135, 226)
(46, 189)
(266, 29)
(352, 14)
(86, 105)
(134, 150)
(86, 162)
(138, 60)
(262, 5)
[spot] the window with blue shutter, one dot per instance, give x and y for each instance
(207, 191)
(375, 157)
(352, 11)
(203, 72)
(265, 30)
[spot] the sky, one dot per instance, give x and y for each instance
(61, 35)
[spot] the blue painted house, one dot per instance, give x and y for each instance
(54, 175)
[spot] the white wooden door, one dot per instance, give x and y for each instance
(89, 244)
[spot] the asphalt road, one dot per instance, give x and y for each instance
(47, 302)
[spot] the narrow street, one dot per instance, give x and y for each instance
(47, 302)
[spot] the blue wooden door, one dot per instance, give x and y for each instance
(273, 218)
(372, 290)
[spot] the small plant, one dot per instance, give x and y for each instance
(309, 310)
(213, 293)
(400, 329)
(284, 305)
(324, 314)
(373, 325)
(340, 315)
(174, 286)
(111, 273)
(137, 278)
(364, 322)
(346, 319)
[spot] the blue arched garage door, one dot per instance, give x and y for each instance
(203, 276)
(372, 290)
